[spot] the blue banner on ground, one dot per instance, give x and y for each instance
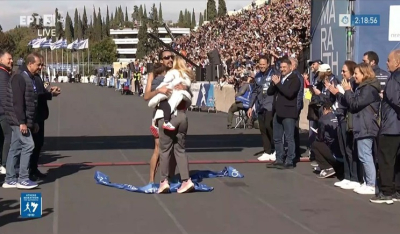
(206, 95)
(103, 179)
(31, 205)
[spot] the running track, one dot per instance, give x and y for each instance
(93, 128)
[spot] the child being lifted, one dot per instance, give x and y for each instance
(166, 105)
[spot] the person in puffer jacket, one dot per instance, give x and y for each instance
(364, 103)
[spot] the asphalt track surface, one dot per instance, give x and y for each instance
(90, 124)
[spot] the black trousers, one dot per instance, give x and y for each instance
(265, 124)
(324, 157)
(297, 138)
(38, 139)
(5, 139)
(389, 164)
(166, 108)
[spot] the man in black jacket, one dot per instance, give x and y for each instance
(42, 113)
(285, 89)
(20, 110)
(6, 63)
(389, 136)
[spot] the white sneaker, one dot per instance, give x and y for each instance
(359, 188)
(272, 156)
(366, 190)
(351, 185)
(341, 183)
(2, 170)
(267, 157)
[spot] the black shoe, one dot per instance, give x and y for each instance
(380, 199)
(285, 166)
(396, 197)
(274, 165)
(38, 174)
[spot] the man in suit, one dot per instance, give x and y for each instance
(285, 88)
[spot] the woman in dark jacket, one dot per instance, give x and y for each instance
(364, 104)
(351, 178)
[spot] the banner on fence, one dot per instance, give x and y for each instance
(203, 94)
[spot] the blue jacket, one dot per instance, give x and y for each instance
(259, 93)
(364, 104)
(244, 94)
(300, 95)
(390, 120)
(328, 132)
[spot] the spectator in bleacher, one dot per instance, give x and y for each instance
(6, 63)
(372, 58)
(326, 146)
(285, 90)
(364, 103)
(264, 106)
(242, 101)
(347, 143)
(389, 139)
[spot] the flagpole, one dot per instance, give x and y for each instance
(56, 63)
(62, 61)
(83, 64)
(67, 61)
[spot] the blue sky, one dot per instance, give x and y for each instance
(11, 10)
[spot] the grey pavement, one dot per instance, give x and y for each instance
(93, 124)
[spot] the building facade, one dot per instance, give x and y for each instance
(127, 40)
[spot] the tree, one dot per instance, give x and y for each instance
(69, 28)
(85, 23)
(34, 25)
(59, 26)
(145, 13)
(160, 16)
(181, 20)
(141, 14)
(126, 14)
(201, 20)
(221, 8)
(76, 22)
(193, 23)
(99, 26)
(104, 51)
(211, 10)
(1, 29)
(80, 29)
(143, 40)
(205, 15)
(6, 42)
(107, 23)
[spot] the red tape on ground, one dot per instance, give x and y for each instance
(100, 164)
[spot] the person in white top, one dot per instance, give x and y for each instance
(179, 74)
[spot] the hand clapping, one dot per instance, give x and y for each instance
(276, 79)
(346, 85)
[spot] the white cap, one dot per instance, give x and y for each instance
(324, 68)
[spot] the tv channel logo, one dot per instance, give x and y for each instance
(48, 20)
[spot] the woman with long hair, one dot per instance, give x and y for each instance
(179, 74)
(351, 178)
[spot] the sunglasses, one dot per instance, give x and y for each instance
(169, 57)
(343, 71)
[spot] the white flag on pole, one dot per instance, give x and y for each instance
(37, 43)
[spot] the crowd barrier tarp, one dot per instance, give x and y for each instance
(103, 179)
(224, 97)
(383, 38)
(328, 39)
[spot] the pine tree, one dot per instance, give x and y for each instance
(108, 23)
(59, 26)
(104, 30)
(193, 24)
(143, 40)
(76, 22)
(211, 10)
(154, 12)
(116, 18)
(85, 24)
(205, 15)
(94, 32)
(181, 20)
(126, 14)
(141, 12)
(201, 20)
(69, 29)
(80, 30)
(145, 13)
(135, 14)
(221, 8)
(160, 16)
(99, 26)
(121, 15)
(1, 29)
